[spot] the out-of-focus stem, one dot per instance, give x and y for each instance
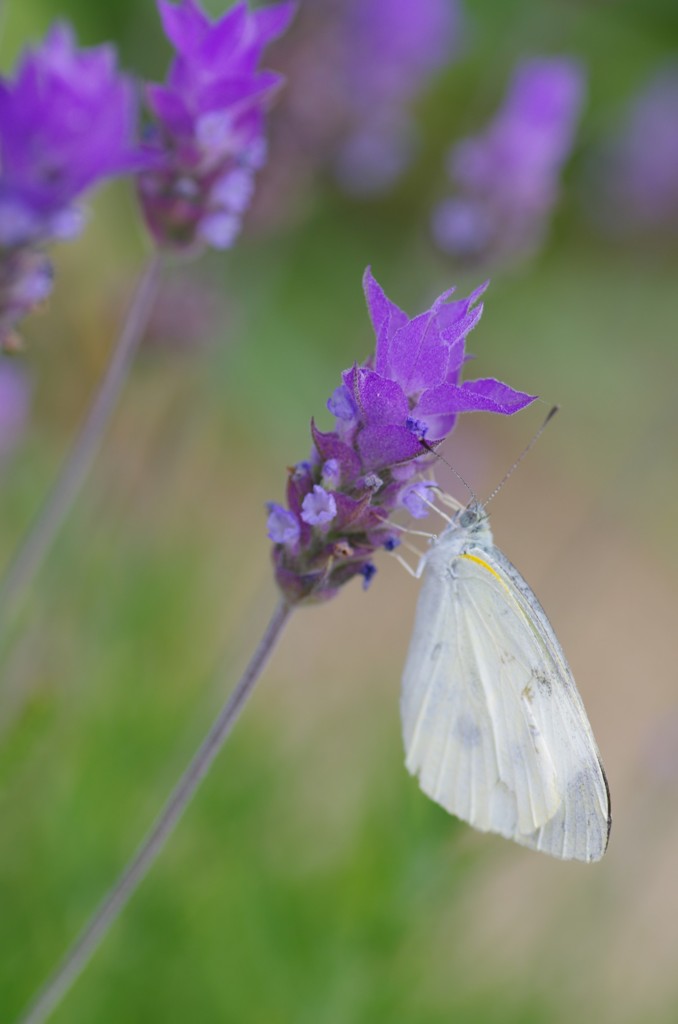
(28, 557)
(111, 906)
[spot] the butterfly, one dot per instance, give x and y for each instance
(493, 724)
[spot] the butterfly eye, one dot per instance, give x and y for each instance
(468, 517)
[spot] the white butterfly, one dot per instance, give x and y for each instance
(492, 721)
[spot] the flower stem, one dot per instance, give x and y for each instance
(28, 557)
(112, 905)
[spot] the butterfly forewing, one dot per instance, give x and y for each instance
(493, 724)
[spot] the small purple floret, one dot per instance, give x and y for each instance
(331, 474)
(368, 572)
(341, 404)
(417, 427)
(417, 499)
(283, 527)
(319, 507)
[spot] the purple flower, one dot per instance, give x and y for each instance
(507, 177)
(208, 138)
(354, 70)
(393, 48)
(410, 391)
(67, 121)
(638, 180)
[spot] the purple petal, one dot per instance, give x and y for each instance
(452, 312)
(219, 48)
(497, 396)
(418, 357)
(455, 338)
(234, 94)
(350, 511)
(184, 24)
(379, 400)
(386, 318)
(271, 22)
(331, 447)
(382, 446)
(437, 425)
(484, 395)
(170, 108)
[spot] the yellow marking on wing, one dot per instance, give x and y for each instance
(474, 558)
(480, 561)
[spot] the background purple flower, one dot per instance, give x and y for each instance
(410, 391)
(208, 138)
(67, 121)
(637, 180)
(354, 70)
(392, 49)
(507, 178)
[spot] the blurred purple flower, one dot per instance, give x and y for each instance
(208, 139)
(355, 67)
(14, 406)
(67, 121)
(392, 49)
(410, 391)
(507, 178)
(638, 181)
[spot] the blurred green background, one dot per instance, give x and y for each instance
(310, 881)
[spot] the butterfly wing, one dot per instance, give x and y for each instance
(493, 724)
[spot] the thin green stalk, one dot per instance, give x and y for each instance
(31, 551)
(78, 956)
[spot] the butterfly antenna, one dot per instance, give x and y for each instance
(431, 449)
(522, 455)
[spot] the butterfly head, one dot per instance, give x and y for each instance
(473, 518)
